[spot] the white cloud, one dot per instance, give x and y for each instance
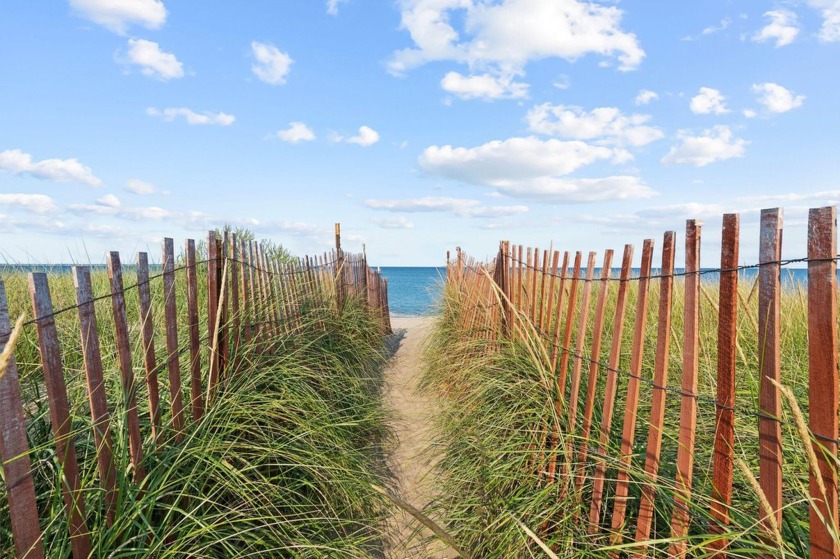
(367, 137)
(827, 196)
(716, 144)
(712, 29)
(58, 170)
(776, 98)
(830, 12)
(272, 65)
(143, 188)
(605, 124)
(396, 222)
(296, 132)
(645, 96)
(34, 203)
(500, 38)
(782, 28)
(462, 207)
(750, 113)
(332, 6)
(153, 62)
(483, 86)
(533, 168)
(109, 200)
(117, 15)
(192, 118)
(708, 101)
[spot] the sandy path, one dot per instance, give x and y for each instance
(413, 460)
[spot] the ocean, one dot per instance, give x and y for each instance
(413, 291)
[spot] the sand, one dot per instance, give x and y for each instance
(414, 458)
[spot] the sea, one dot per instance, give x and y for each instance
(414, 291)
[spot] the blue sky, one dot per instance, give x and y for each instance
(418, 124)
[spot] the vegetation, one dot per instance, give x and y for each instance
(283, 464)
(498, 400)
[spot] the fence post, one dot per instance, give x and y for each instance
(197, 405)
(14, 452)
(822, 381)
(722, 461)
(769, 318)
(235, 311)
(339, 269)
(594, 364)
(60, 414)
(135, 439)
(212, 310)
(610, 390)
(660, 383)
(97, 397)
(147, 333)
(173, 364)
(681, 518)
(631, 405)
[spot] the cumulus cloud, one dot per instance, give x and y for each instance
(396, 222)
(143, 188)
(118, 15)
(483, 86)
(153, 62)
(17, 162)
(272, 65)
(830, 12)
(462, 207)
(191, 117)
(715, 144)
(367, 136)
(533, 168)
(645, 96)
(109, 200)
(607, 125)
(332, 6)
(776, 98)
(33, 203)
(296, 132)
(708, 101)
(782, 28)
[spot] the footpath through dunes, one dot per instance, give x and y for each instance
(414, 458)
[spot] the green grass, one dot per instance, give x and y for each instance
(498, 403)
(282, 465)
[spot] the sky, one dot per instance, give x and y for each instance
(419, 125)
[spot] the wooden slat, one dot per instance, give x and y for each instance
(235, 311)
(660, 383)
(519, 281)
(555, 336)
(60, 414)
(173, 363)
(552, 282)
(580, 341)
(722, 461)
(822, 379)
(560, 375)
(610, 390)
(543, 285)
(97, 395)
(147, 332)
(594, 365)
(622, 484)
(244, 278)
(212, 311)
(681, 517)
(224, 293)
(14, 452)
(196, 401)
(769, 356)
(339, 263)
(129, 386)
(535, 272)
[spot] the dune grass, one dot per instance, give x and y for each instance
(282, 465)
(498, 401)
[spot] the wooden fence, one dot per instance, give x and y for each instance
(252, 297)
(520, 295)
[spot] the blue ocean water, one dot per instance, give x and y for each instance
(413, 291)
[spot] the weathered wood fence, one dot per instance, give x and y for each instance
(252, 297)
(521, 296)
